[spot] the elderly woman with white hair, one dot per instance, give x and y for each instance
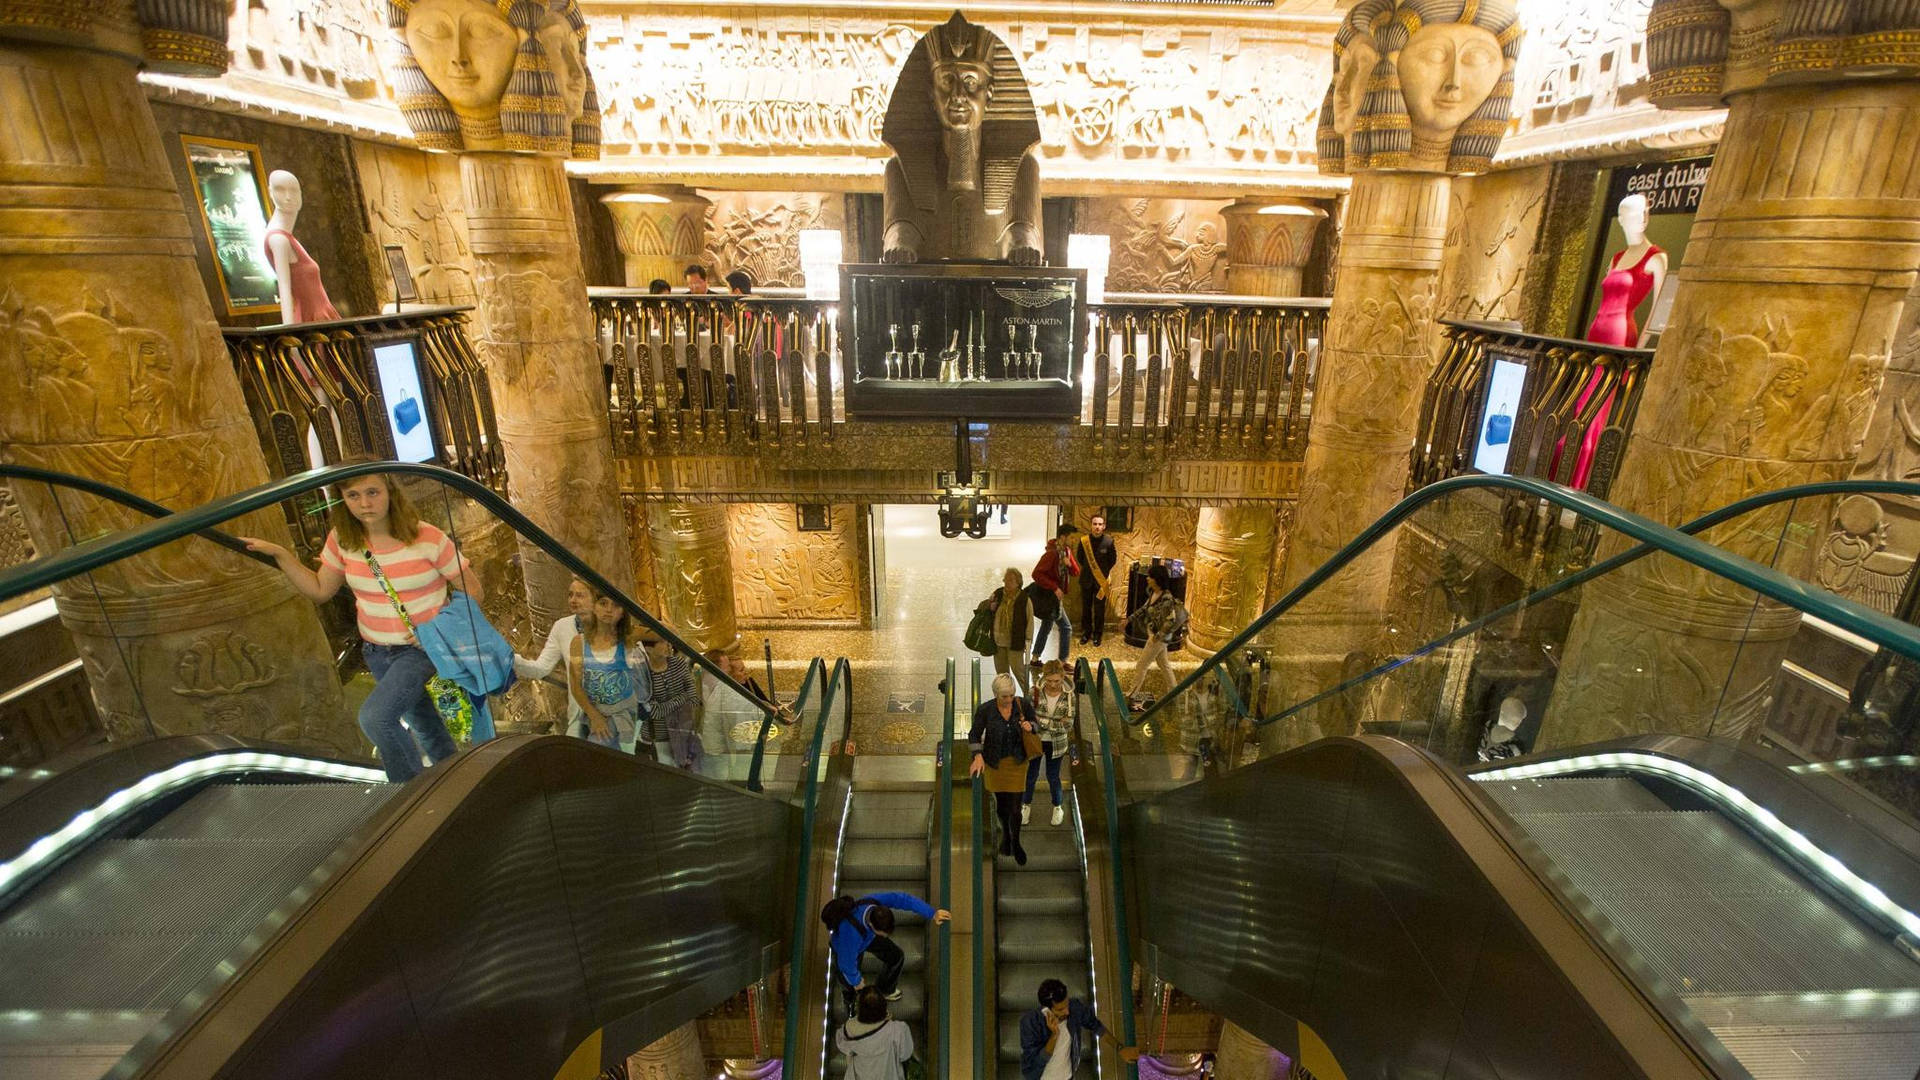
(1003, 739)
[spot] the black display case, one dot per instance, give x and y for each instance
(981, 340)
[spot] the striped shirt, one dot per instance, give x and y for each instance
(418, 571)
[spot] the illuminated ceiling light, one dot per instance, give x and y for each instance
(1729, 798)
(635, 197)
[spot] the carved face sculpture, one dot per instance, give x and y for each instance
(1350, 83)
(569, 67)
(961, 90)
(465, 48)
(1446, 72)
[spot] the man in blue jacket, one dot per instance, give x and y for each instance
(1053, 1035)
(866, 925)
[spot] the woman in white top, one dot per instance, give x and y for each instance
(1053, 716)
(559, 641)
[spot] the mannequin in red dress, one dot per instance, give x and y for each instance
(1635, 273)
(302, 296)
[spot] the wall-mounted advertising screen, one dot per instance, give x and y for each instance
(396, 361)
(1495, 437)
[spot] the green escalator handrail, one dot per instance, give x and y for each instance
(1738, 508)
(797, 993)
(125, 498)
(1880, 629)
(943, 934)
(93, 554)
(985, 1034)
(815, 671)
(1123, 948)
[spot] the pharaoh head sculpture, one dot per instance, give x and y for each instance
(495, 75)
(1699, 51)
(1423, 85)
(960, 101)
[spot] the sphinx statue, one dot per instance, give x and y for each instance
(963, 182)
(1419, 85)
(496, 75)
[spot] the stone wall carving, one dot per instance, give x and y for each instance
(1160, 245)
(682, 86)
(412, 199)
(16, 546)
(326, 47)
(759, 232)
(1492, 231)
(782, 576)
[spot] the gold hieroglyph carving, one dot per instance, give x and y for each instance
(660, 232)
(1159, 245)
(16, 546)
(782, 575)
(695, 568)
(759, 232)
(687, 92)
(676, 1056)
(112, 367)
(1767, 376)
(1227, 583)
(1492, 230)
(1268, 244)
(1871, 546)
(413, 200)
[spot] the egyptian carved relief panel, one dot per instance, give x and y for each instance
(690, 84)
(1492, 230)
(759, 232)
(1160, 245)
(413, 199)
(782, 575)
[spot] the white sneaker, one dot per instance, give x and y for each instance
(1059, 814)
(1026, 812)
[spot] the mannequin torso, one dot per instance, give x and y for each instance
(303, 298)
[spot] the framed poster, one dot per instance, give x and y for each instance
(232, 189)
(814, 517)
(403, 290)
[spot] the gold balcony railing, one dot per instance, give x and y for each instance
(1203, 373)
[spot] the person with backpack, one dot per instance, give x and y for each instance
(877, 1046)
(1163, 619)
(857, 927)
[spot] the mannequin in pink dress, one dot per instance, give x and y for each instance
(302, 296)
(1622, 292)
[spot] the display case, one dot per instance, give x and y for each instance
(978, 340)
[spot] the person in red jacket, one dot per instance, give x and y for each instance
(1047, 594)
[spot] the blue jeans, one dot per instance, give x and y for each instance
(1053, 773)
(400, 675)
(1059, 619)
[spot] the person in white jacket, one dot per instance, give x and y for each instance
(559, 641)
(877, 1046)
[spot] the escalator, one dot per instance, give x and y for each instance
(186, 905)
(1425, 864)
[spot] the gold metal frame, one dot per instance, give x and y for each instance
(187, 143)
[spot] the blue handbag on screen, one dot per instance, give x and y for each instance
(406, 415)
(1499, 429)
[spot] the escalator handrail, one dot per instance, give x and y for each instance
(93, 554)
(1108, 678)
(1891, 488)
(815, 671)
(984, 1044)
(800, 993)
(943, 934)
(128, 499)
(1881, 629)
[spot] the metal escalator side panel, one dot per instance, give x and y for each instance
(509, 905)
(1359, 886)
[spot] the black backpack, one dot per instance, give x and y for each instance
(838, 910)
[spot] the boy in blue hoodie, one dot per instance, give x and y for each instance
(866, 925)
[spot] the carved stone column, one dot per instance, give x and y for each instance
(750, 1069)
(694, 566)
(1268, 244)
(1243, 1057)
(1232, 551)
(675, 1057)
(113, 368)
(1806, 241)
(661, 231)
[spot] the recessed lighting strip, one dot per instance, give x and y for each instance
(1840, 876)
(56, 844)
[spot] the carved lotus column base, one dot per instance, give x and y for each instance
(1171, 1066)
(116, 371)
(1268, 243)
(675, 1057)
(750, 1069)
(1767, 376)
(1243, 1057)
(660, 229)
(695, 570)
(1233, 548)
(534, 333)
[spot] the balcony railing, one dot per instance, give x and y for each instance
(1203, 373)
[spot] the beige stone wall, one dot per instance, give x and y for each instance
(1159, 245)
(783, 577)
(759, 232)
(412, 199)
(1493, 230)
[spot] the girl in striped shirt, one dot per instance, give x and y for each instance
(374, 523)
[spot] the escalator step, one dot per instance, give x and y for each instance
(1046, 854)
(1043, 938)
(1020, 982)
(286, 813)
(882, 814)
(1572, 795)
(1041, 892)
(892, 858)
